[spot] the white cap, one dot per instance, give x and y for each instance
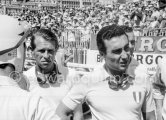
(11, 38)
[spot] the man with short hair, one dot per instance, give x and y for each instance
(45, 78)
(45, 73)
(16, 103)
(110, 91)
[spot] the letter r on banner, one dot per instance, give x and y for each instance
(146, 42)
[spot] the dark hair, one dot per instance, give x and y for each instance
(47, 35)
(127, 28)
(106, 33)
(3, 66)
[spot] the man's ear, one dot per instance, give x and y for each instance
(103, 55)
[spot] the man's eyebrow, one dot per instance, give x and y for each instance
(121, 48)
(126, 45)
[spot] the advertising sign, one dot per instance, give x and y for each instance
(149, 49)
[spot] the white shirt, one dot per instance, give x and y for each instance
(108, 104)
(159, 79)
(17, 104)
(52, 93)
(156, 13)
(164, 110)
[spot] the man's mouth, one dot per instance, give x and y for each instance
(123, 63)
(45, 62)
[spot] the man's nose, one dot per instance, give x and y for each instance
(46, 55)
(124, 55)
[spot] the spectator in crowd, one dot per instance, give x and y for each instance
(137, 16)
(162, 22)
(154, 23)
(156, 12)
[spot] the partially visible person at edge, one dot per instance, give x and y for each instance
(129, 31)
(110, 91)
(134, 63)
(16, 103)
(159, 85)
(45, 78)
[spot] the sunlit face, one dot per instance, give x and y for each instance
(117, 53)
(44, 53)
(131, 38)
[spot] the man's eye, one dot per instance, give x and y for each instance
(51, 51)
(42, 51)
(119, 51)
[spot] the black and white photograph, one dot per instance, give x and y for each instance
(82, 59)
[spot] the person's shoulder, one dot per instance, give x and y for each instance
(136, 67)
(29, 74)
(98, 69)
(97, 75)
(30, 78)
(18, 92)
(161, 64)
(141, 69)
(142, 75)
(18, 97)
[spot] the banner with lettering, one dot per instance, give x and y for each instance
(149, 50)
(150, 47)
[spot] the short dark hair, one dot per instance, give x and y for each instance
(127, 28)
(106, 33)
(47, 35)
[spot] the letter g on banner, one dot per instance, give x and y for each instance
(160, 44)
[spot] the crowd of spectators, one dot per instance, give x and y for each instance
(144, 14)
(81, 22)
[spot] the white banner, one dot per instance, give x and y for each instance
(93, 57)
(149, 60)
